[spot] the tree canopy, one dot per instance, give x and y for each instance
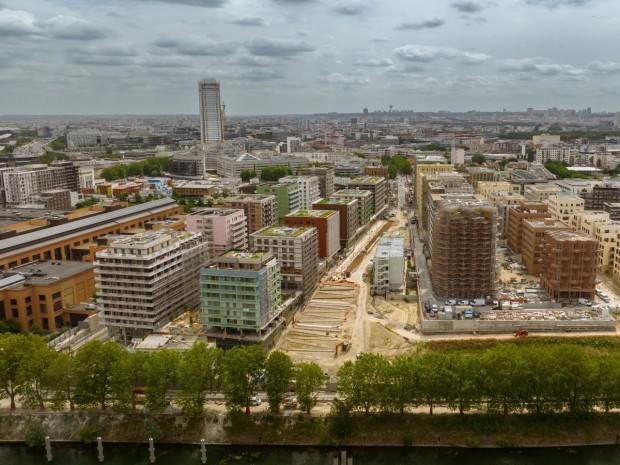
(274, 173)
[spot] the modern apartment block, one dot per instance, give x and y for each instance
(327, 224)
(533, 241)
(486, 187)
(526, 210)
(241, 297)
(541, 192)
(71, 240)
(420, 170)
(348, 210)
(613, 208)
(146, 280)
(475, 176)
(377, 186)
(562, 207)
(606, 193)
(46, 294)
(309, 191)
(211, 111)
(326, 178)
(260, 210)
(607, 233)
(297, 252)
(569, 265)
(440, 183)
(463, 242)
(377, 171)
(389, 265)
(224, 229)
(25, 184)
(364, 203)
(288, 197)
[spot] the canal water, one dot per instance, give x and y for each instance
(123, 454)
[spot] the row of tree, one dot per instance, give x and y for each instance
(153, 166)
(397, 164)
(503, 379)
(104, 374)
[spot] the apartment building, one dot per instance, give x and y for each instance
(47, 294)
(146, 280)
(327, 224)
(348, 211)
(25, 184)
(326, 178)
(422, 169)
(606, 233)
(486, 187)
(463, 243)
(504, 200)
(569, 265)
(377, 171)
(232, 166)
(72, 240)
(389, 265)
(376, 185)
(525, 210)
(475, 176)
(607, 193)
(287, 194)
(563, 207)
(241, 298)
(440, 183)
(309, 191)
(364, 203)
(541, 192)
(587, 220)
(297, 252)
(613, 208)
(224, 229)
(260, 210)
(533, 241)
(557, 153)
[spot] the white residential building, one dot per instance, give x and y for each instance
(309, 189)
(389, 265)
(145, 280)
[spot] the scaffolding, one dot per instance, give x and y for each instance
(463, 249)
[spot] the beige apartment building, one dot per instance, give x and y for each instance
(260, 210)
(563, 207)
(487, 187)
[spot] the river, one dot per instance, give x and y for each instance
(124, 454)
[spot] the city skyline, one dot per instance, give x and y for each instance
(306, 56)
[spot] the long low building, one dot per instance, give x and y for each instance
(67, 241)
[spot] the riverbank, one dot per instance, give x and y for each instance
(450, 430)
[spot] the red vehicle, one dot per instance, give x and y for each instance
(522, 333)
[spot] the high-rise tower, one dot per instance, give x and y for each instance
(211, 114)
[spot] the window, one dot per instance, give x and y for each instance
(42, 297)
(56, 295)
(43, 308)
(28, 300)
(15, 313)
(13, 302)
(29, 310)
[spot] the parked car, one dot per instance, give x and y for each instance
(434, 308)
(255, 401)
(585, 302)
(463, 302)
(450, 302)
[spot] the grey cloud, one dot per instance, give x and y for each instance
(430, 23)
(303, 33)
(101, 60)
(600, 67)
(155, 61)
(465, 6)
(250, 21)
(374, 63)
(379, 40)
(278, 47)
(558, 3)
(472, 58)
(424, 53)
(202, 3)
(294, 2)
(16, 23)
(251, 61)
(72, 28)
(540, 66)
(260, 75)
(350, 8)
(105, 50)
(203, 46)
(337, 78)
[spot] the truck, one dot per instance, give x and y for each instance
(479, 302)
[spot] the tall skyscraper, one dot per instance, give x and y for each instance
(211, 111)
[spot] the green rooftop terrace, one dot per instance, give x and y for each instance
(335, 201)
(236, 253)
(366, 180)
(312, 213)
(282, 231)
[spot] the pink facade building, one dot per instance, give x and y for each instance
(225, 229)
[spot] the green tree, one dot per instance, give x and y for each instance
(9, 326)
(161, 373)
(274, 173)
(308, 379)
(246, 175)
(478, 158)
(243, 369)
(14, 354)
(137, 198)
(123, 196)
(127, 374)
(502, 366)
(361, 383)
(608, 381)
(533, 386)
(463, 381)
(401, 386)
(575, 378)
(62, 381)
(279, 374)
(36, 370)
(199, 373)
(94, 368)
(429, 376)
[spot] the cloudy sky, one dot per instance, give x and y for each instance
(307, 56)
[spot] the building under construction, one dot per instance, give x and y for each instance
(463, 243)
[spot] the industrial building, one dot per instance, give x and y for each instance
(145, 280)
(241, 298)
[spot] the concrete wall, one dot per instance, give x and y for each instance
(491, 327)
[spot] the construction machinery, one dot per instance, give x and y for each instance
(344, 345)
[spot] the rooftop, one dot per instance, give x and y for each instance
(565, 235)
(244, 254)
(367, 180)
(282, 231)
(312, 213)
(353, 193)
(335, 201)
(43, 272)
(391, 247)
